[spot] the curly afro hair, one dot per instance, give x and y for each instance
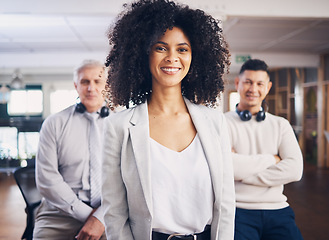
(139, 27)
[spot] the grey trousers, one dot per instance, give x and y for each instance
(52, 224)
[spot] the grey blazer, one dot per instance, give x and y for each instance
(126, 188)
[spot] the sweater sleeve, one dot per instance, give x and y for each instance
(246, 166)
(289, 169)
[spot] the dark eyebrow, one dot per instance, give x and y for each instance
(180, 44)
(183, 44)
(159, 42)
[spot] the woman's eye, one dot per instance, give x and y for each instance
(159, 48)
(182, 50)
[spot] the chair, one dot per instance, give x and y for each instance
(25, 179)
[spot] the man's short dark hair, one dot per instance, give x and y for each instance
(254, 65)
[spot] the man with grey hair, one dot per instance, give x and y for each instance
(68, 163)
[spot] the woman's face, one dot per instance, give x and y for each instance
(170, 58)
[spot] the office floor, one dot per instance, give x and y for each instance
(309, 198)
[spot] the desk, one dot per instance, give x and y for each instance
(8, 170)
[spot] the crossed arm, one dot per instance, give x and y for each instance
(268, 169)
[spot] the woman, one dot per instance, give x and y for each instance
(167, 167)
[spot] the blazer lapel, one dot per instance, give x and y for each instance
(139, 133)
(210, 144)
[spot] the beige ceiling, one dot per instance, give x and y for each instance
(47, 33)
(277, 35)
(37, 33)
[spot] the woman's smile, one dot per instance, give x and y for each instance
(170, 70)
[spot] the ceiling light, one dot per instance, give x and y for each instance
(17, 82)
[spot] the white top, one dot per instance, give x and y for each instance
(258, 179)
(62, 163)
(181, 189)
(127, 172)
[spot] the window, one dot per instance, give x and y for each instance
(311, 75)
(8, 142)
(28, 144)
(326, 67)
(61, 99)
(234, 99)
(25, 102)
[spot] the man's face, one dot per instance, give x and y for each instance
(91, 82)
(252, 86)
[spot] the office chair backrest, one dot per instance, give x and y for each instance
(25, 179)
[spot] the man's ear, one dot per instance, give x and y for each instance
(75, 85)
(269, 85)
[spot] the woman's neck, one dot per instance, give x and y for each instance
(166, 104)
